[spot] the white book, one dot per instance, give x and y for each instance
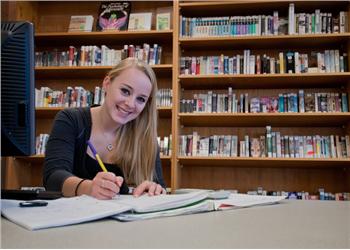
(291, 19)
(297, 62)
(278, 144)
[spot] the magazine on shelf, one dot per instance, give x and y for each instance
(113, 16)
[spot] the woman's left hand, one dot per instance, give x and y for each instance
(149, 187)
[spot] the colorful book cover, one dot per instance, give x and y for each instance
(113, 16)
(255, 147)
(309, 103)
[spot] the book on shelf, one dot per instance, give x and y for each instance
(140, 21)
(113, 16)
(81, 23)
(163, 21)
(68, 211)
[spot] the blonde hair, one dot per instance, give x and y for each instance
(136, 141)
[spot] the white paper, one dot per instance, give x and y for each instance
(246, 200)
(147, 203)
(204, 206)
(60, 212)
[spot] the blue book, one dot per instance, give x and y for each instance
(344, 102)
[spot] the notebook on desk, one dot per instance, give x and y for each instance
(25, 195)
(67, 211)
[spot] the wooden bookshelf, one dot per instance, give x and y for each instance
(51, 21)
(264, 162)
(247, 173)
(97, 37)
(88, 71)
(264, 80)
(264, 119)
(257, 42)
(40, 158)
(50, 112)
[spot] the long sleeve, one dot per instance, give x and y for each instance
(59, 159)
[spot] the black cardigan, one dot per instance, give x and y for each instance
(66, 151)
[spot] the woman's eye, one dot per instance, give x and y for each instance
(141, 99)
(125, 91)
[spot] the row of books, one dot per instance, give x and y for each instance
(302, 195)
(272, 144)
(260, 25)
(164, 98)
(40, 144)
(165, 145)
(231, 102)
(317, 22)
(98, 56)
(329, 61)
(80, 97)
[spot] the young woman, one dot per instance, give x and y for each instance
(123, 131)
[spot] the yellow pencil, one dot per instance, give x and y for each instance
(97, 157)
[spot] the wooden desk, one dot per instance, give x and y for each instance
(291, 224)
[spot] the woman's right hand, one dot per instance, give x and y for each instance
(106, 185)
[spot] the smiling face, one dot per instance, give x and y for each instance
(127, 95)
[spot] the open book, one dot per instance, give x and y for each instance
(67, 211)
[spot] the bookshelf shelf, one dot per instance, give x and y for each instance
(245, 7)
(264, 80)
(264, 162)
(97, 37)
(87, 71)
(50, 112)
(164, 112)
(264, 119)
(281, 41)
(40, 158)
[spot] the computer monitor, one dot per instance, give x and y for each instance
(17, 89)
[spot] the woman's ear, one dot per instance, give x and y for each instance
(106, 82)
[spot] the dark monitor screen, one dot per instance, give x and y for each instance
(17, 89)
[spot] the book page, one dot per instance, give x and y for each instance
(246, 200)
(202, 206)
(147, 203)
(60, 212)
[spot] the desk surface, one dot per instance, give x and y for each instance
(291, 224)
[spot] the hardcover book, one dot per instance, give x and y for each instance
(113, 16)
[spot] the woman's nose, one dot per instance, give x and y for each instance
(130, 102)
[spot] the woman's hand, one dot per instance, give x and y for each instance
(106, 185)
(149, 187)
